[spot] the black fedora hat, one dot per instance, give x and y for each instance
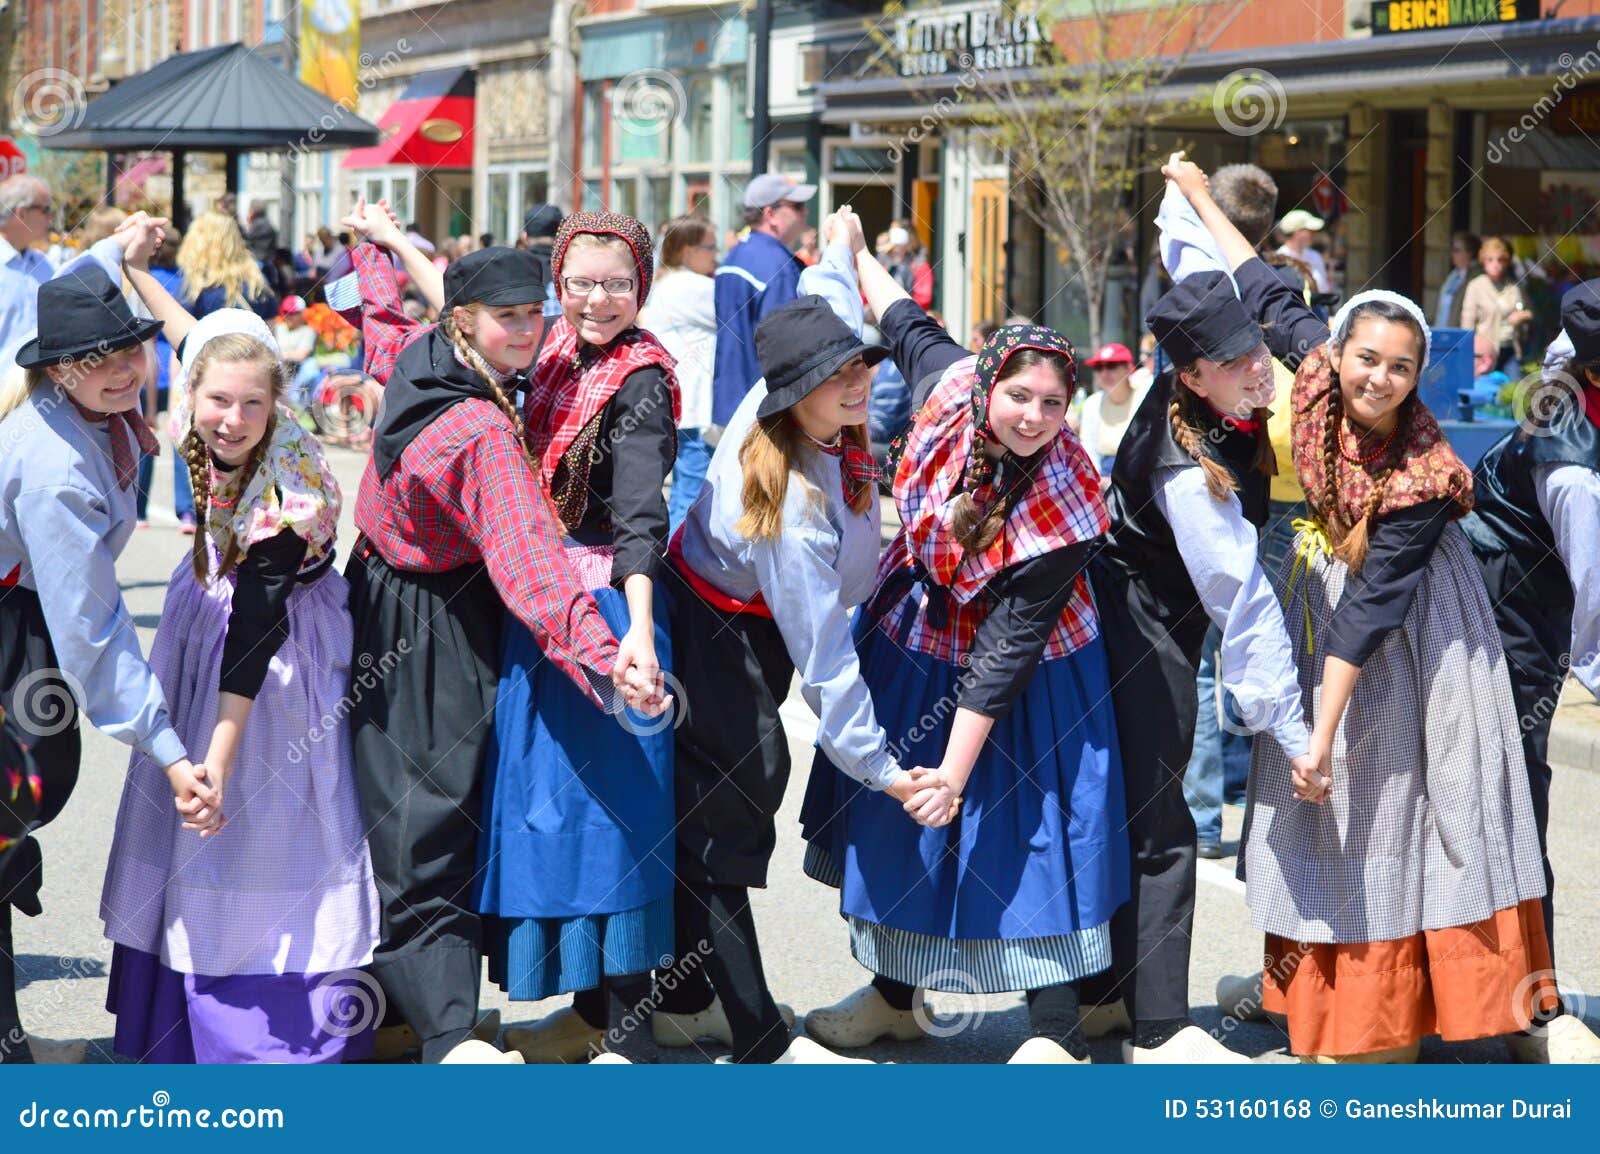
(83, 313)
(801, 345)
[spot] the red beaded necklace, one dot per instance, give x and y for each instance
(1372, 456)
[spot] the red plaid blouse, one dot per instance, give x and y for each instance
(463, 492)
(379, 312)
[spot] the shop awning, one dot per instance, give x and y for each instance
(224, 98)
(430, 126)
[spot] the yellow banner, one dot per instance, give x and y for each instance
(330, 49)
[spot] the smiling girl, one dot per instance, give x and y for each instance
(237, 945)
(1399, 881)
(982, 650)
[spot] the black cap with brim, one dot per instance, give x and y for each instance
(1200, 319)
(85, 315)
(495, 276)
(800, 346)
(1580, 317)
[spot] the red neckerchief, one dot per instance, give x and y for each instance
(122, 458)
(857, 468)
(1591, 405)
(1248, 425)
(569, 386)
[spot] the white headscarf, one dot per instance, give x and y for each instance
(212, 325)
(1340, 328)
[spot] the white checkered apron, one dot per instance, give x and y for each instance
(1429, 825)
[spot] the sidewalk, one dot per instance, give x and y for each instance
(1575, 735)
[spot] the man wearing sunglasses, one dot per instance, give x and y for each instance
(759, 274)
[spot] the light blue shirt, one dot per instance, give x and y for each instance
(65, 520)
(20, 278)
(1569, 498)
(1256, 662)
(823, 564)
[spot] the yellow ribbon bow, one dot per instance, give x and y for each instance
(1310, 539)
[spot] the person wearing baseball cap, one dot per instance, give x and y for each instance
(759, 274)
(1106, 413)
(1297, 226)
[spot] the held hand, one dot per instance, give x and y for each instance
(196, 797)
(835, 230)
(646, 696)
(373, 222)
(1311, 775)
(139, 236)
(936, 799)
(857, 234)
(636, 655)
(1187, 175)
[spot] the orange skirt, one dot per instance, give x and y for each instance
(1473, 981)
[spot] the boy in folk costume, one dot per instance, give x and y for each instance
(1187, 498)
(241, 948)
(1398, 880)
(1535, 527)
(981, 603)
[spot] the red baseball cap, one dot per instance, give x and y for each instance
(291, 304)
(1112, 354)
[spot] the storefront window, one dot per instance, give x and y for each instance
(739, 137)
(700, 120)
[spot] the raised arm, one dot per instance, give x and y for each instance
(377, 223)
(142, 237)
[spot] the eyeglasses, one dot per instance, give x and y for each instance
(617, 286)
(707, 247)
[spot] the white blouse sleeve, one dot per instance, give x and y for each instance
(1569, 497)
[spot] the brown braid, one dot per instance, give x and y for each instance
(1349, 541)
(1219, 481)
(477, 364)
(977, 525)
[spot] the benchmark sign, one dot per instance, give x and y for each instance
(1424, 15)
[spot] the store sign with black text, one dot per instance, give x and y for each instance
(1430, 15)
(987, 38)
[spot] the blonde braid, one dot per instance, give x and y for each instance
(194, 453)
(477, 364)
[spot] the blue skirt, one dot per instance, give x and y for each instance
(1018, 892)
(576, 855)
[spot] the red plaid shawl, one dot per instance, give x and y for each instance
(1062, 506)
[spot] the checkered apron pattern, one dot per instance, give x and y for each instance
(1430, 824)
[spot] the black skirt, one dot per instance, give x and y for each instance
(423, 683)
(42, 715)
(732, 756)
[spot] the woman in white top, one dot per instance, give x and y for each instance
(682, 314)
(1111, 406)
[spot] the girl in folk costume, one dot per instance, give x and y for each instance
(1535, 527)
(241, 944)
(576, 859)
(981, 613)
(576, 856)
(781, 543)
(1408, 873)
(70, 442)
(1187, 498)
(455, 528)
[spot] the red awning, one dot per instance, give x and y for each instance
(430, 126)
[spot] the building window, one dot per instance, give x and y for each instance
(499, 213)
(592, 196)
(625, 197)
(594, 110)
(738, 100)
(700, 117)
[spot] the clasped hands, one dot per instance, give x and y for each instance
(930, 795)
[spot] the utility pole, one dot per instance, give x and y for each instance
(761, 118)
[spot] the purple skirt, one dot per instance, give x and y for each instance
(167, 1017)
(236, 948)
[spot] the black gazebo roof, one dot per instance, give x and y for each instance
(216, 98)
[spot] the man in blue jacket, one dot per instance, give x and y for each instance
(761, 273)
